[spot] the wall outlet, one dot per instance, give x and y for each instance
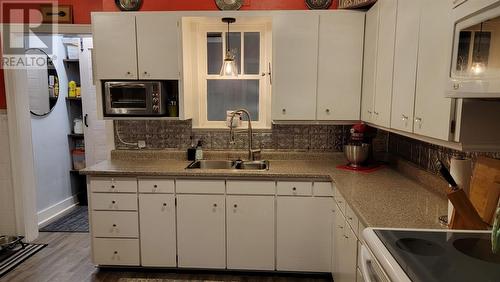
(141, 144)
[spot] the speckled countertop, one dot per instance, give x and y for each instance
(383, 198)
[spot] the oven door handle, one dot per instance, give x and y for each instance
(366, 259)
(127, 85)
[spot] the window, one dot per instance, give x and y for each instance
(473, 46)
(250, 90)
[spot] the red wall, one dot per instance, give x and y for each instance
(83, 8)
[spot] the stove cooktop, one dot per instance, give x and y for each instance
(442, 256)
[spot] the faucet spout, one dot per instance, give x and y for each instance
(252, 154)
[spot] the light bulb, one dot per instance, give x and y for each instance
(229, 68)
(478, 68)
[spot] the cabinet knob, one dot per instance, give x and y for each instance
(347, 237)
(112, 186)
(113, 202)
(376, 113)
(456, 86)
(418, 119)
(114, 225)
(155, 186)
(235, 205)
(294, 188)
(283, 111)
(146, 72)
(164, 204)
(350, 218)
(129, 73)
(327, 111)
(370, 112)
(404, 117)
(115, 252)
(215, 205)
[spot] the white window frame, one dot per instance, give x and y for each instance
(264, 121)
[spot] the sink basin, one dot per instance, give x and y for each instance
(226, 164)
(211, 164)
(477, 248)
(253, 165)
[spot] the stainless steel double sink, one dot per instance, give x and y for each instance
(228, 164)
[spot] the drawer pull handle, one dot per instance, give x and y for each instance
(164, 204)
(294, 188)
(235, 205)
(115, 252)
(155, 186)
(113, 202)
(215, 205)
(114, 225)
(112, 186)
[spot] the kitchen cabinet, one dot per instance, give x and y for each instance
(433, 111)
(157, 230)
(201, 231)
(385, 62)
(116, 252)
(405, 64)
(303, 233)
(250, 232)
(295, 66)
(340, 64)
(141, 46)
(158, 46)
(369, 63)
(115, 45)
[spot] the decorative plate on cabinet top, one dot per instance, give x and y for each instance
(318, 4)
(128, 5)
(229, 4)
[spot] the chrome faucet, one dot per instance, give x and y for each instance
(252, 154)
(495, 233)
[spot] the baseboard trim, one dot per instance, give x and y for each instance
(46, 215)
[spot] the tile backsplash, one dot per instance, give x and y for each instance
(176, 135)
(426, 155)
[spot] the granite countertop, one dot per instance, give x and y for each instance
(384, 198)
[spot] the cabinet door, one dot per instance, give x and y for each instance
(405, 65)
(157, 225)
(340, 65)
(115, 45)
(303, 234)
(250, 232)
(158, 46)
(201, 236)
(338, 243)
(295, 66)
(385, 62)
(349, 258)
(432, 109)
(370, 63)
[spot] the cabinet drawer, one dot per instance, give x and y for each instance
(292, 188)
(251, 187)
(352, 219)
(153, 185)
(340, 202)
(114, 202)
(114, 185)
(200, 186)
(323, 189)
(116, 251)
(115, 224)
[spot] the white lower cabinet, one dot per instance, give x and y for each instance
(157, 225)
(108, 251)
(346, 247)
(250, 232)
(201, 226)
(303, 233)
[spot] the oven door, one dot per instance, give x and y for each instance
(127, 99)
(475, 69)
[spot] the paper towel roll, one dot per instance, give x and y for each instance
(461, 170)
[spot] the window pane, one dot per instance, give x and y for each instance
(481, 47)
(235, 47)
(252, 52)
(214, 52)
(463, 50)
(232, 94)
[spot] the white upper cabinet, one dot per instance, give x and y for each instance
(158, 45)
(369, 63)
(385, 62)
(340, 65)
(115, 45)
(405, 64)
(432, 110)
(295, 66)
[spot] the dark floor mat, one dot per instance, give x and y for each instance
(75, 221)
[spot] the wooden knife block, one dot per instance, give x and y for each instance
(465, 216)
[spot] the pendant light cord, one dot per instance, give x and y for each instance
(227, 38)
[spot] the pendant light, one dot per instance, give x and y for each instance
(478, 66)
(229, 67)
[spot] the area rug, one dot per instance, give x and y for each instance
(9, 259)
(75, 221)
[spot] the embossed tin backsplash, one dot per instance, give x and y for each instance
(176, 135)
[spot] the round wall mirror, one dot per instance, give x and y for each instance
(43, 82)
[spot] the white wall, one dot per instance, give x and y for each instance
(7, 208)
(51, 150)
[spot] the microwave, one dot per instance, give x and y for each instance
(138, 98)
(475, 66)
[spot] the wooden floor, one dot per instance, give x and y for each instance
(67, 259)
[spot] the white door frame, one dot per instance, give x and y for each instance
(21, 147)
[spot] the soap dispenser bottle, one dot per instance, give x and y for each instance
(199, 151)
